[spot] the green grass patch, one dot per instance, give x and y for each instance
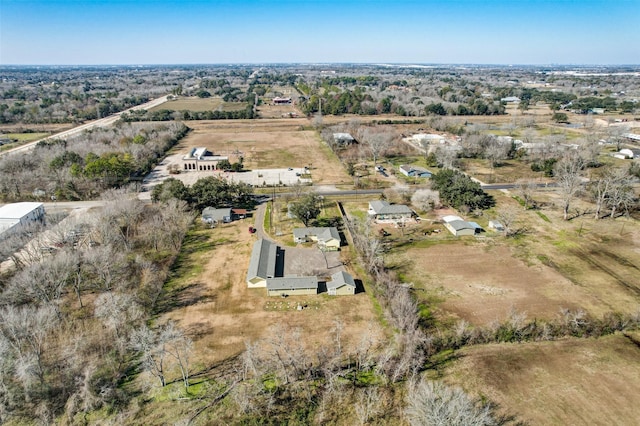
(543, 216)
(267, 216)
(26, 137)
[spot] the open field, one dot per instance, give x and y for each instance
(200, 104)
(265, 144)
(209, 298)
(583, 263)
(568, 382)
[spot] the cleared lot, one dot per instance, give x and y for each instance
(569, 382)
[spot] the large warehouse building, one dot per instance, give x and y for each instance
(16, 216)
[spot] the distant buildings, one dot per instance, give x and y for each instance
(223, 215)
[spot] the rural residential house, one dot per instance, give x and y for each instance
(382, 211)
(17, 216)
(459, 227)
(341, 283)
(292, 286)
(201, 159)
(328, 238)
(262, 266)
(412, 171)
(223, 215)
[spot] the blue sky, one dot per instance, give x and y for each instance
(52, 32)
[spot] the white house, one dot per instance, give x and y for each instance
(328, 238)
(201, 159)
(17, 216)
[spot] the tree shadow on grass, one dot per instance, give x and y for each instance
(180, 297)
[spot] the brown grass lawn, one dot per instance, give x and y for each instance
(200, 104)
(581, 263)
(209, 299)
(568, 382)
(266, 144)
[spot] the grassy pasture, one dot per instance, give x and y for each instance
(594, 381)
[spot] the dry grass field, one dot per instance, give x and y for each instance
(581, 263)
(266, 144)
(567, 382)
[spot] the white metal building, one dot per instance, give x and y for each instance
(16, 216)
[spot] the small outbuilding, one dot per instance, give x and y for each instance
(496, 225)
(342, 283)
(222, 215)
(292, 286)
(459, 227)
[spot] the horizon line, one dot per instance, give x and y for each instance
(381, 64)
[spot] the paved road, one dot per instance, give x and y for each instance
(102, 122)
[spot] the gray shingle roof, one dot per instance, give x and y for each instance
(263, 260)
(383, 207)
(292, 283)
(322, 233)
(339, 279)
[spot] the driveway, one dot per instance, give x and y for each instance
(301, 260)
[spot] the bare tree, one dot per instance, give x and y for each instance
(434, 403)
(621, 194)
(525, 189)
(568, 176)
(152, 347)
(180, 347)
(367, 404)
(378, 140)
(507, 215)
(446, 157)
(426, 199)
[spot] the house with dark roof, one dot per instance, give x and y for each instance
(292, 286)
(262, 264)
(382, 211)
(328, 238)
(342, 283)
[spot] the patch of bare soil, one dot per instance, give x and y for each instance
(569, 382)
